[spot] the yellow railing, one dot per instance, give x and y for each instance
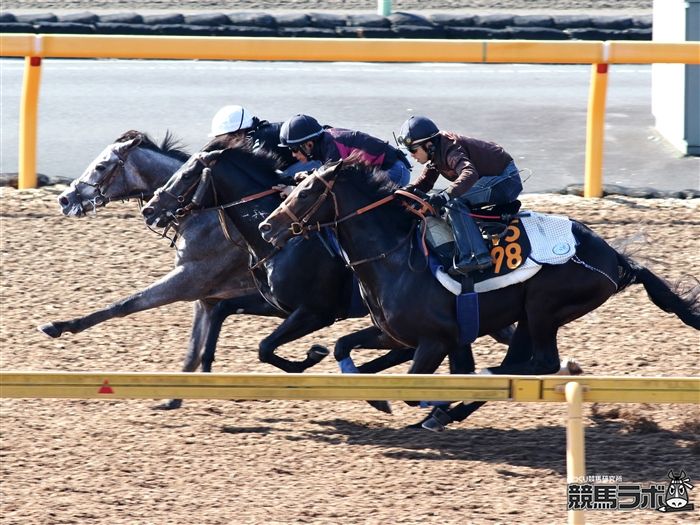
(573, 391)
(599, 54)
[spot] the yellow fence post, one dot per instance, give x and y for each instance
(575, 451)
(595, 131)
(28, 123)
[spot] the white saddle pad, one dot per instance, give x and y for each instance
(551, 241)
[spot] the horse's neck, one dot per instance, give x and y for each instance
(368, 236)
(154, 169)
(247, 217)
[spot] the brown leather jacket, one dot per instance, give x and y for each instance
(462, 160)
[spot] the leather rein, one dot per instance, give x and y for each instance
(301, 226)
(199, 187)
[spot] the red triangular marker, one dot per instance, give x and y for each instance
(105, 388)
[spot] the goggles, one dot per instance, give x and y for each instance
(410, 144)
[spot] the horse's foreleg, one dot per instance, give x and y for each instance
(173, 287)
(370, 338)
(504, 335)
(300, 323)
(253, 304)
(462, 360)
(519, 351)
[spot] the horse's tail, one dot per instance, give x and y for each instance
(675, 298)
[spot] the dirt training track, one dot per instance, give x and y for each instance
(247, 462)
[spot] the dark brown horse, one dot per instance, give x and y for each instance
(411, 306)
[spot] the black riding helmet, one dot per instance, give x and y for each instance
(415, 131)
(298, 129)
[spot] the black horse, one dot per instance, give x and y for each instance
(412, 307)
(307, 280)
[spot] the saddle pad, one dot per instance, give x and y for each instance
(552, 242)
(551, 238)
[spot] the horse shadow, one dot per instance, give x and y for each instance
(612, 447)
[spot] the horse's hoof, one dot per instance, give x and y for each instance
(49, 329)
(437, 421)
(382, 406)
(569, 367)
(433, 425)
(171, 404)
(317, 353)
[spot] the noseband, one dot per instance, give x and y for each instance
(299, 225)
(100, 184)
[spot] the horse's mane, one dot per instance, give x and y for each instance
(237, 144)
(370, 180)
(169, 146)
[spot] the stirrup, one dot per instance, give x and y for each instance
(467, 269)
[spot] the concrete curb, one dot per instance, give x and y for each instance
(334, 25)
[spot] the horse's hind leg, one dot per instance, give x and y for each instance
(201, 323)
(253, 304)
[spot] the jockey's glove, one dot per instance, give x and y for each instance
(438, 200)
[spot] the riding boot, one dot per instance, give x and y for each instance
(472, 253)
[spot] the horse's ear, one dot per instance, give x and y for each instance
(132, 143)
(670, 474)
(210, 156)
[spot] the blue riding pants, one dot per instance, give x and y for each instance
(499, 189)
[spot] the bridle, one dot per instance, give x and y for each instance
(104, 182)
(198, 188)
(299, 226)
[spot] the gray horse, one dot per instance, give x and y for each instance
(208, 267)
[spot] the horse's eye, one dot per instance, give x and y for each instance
(100, 167)
(303, 194)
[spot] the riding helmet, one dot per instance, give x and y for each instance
(416, 130)
(229, 119)
(298, 129)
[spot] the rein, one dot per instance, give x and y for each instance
(301, 226)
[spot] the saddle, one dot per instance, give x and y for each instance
(519, 243)
(500, 226)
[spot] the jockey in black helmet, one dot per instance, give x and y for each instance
(308, 140)
(482, 173)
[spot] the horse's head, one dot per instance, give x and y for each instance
(213, 178)
(186, 190)
(311, 202)
(133, 166)
(101, 181)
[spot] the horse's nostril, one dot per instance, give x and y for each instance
(265, 227)
(63, 200)
(147, 211)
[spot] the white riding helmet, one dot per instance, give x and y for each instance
(229, 119)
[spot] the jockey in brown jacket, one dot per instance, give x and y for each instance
(482, 173)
